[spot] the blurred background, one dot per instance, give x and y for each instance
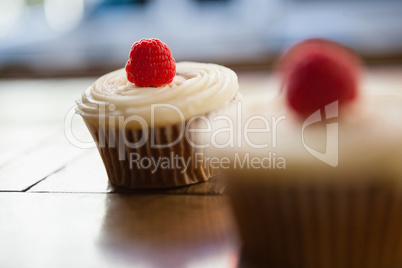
(52, 50)
(48, 38)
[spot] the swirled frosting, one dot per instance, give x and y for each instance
(359, 142)
(197, 89)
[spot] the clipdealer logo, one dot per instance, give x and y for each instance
(326, 115)
(217, 131)
(330, 156)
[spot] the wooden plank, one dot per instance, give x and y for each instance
(84, 174)
(33, 166)
(39, 101)
(32, 142)
(115, 230)
(16, 140)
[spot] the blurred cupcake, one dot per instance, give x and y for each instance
(317, 180)
(146, 118)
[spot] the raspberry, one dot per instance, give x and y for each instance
(150, 64)
(318, 72)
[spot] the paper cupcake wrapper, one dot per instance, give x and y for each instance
(148, 167)
(145, 166)
(320, 226)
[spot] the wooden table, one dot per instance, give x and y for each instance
(57, 209)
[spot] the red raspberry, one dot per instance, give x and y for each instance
(150, 64)
(318, 72)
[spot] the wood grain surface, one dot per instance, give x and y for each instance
(58, 210)
(116, 230)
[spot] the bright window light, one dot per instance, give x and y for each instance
(10, 12)
(63, 15)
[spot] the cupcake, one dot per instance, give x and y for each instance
(146, 118)
(317, 178)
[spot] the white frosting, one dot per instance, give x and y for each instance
(369, 137)
(197, 89)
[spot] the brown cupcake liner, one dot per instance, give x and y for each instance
(184, 164)
(319, 226)
(146, 166)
